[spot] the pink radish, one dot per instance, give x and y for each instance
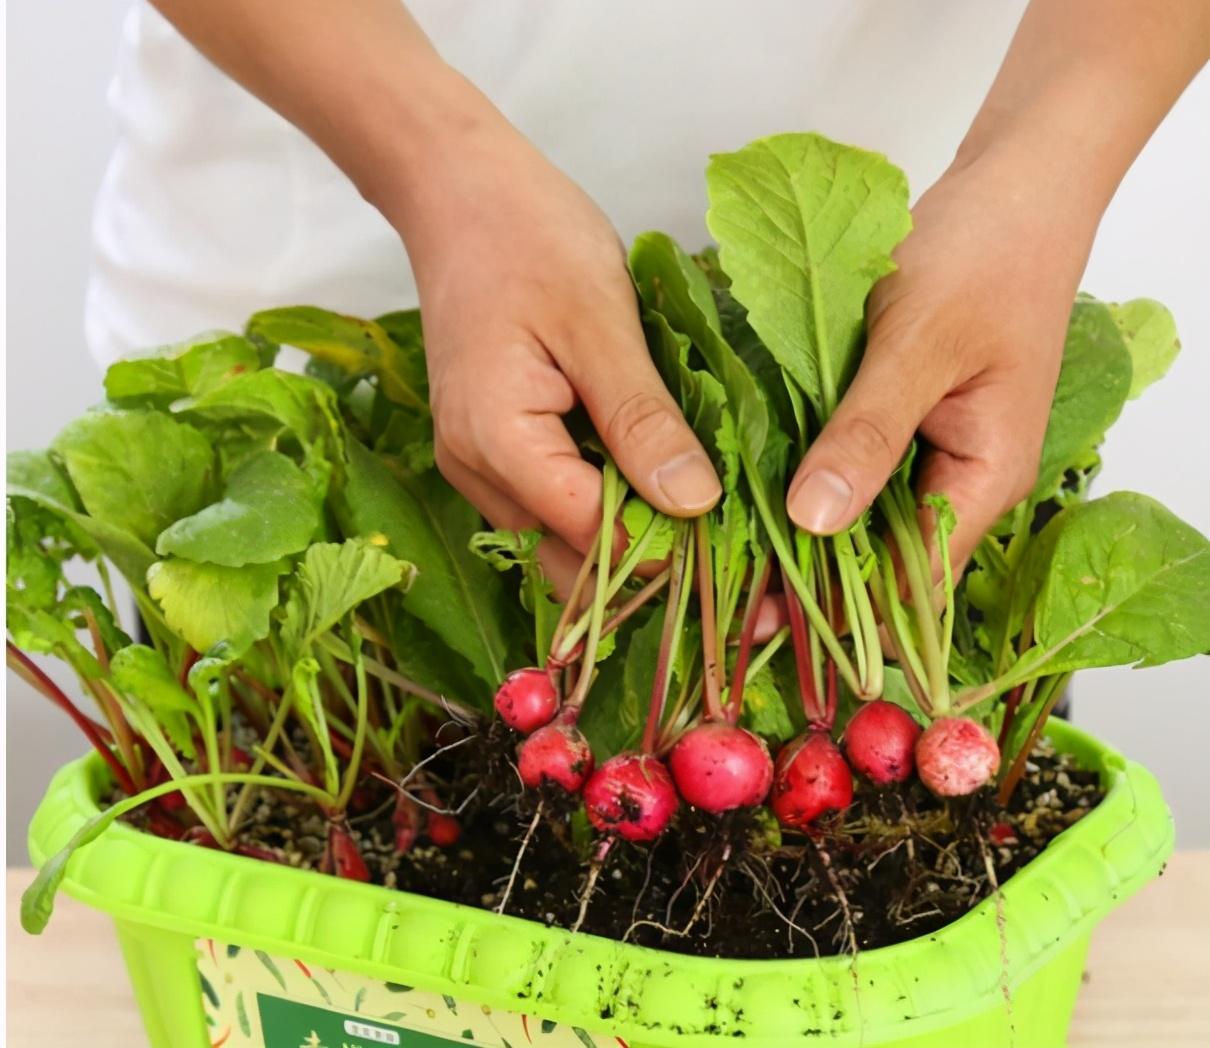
(557, 753)
(527, 699)
(879, 742)
(443, 830)
(810, 779)
(631, 795)
(955, 756)
(718, 767)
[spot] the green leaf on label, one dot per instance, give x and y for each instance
(269, 510)
(209, 603)
(270, 967)
(805, 228)
(137, 470)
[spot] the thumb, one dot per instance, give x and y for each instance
(642, 426)
(865, 439)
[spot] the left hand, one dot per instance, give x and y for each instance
(965, 343)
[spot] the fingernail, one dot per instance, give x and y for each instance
(820, 502)
(689, 482)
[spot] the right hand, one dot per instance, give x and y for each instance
(528, 310)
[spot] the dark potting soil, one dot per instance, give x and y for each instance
(901, 864)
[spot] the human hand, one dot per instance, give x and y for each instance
(528, 310)
(965, 343)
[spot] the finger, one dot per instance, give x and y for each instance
(638, 420)
(558, 560)
(980, 490)
(865, 439)
(502, 422)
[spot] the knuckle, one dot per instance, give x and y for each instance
(865, 439)
(641, 418)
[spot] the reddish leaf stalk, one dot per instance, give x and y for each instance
(1018, 766)
(97, 735)
(1010, 712)
(659, 684)
(802, 656)
(739, 675)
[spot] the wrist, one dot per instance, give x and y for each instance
(412, 146)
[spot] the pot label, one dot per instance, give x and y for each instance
(253, 1000)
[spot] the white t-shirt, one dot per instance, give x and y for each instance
(212, 206)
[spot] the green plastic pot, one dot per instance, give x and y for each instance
(223, 949)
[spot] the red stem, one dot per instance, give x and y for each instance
(712, 685)
(802, 654)
(1018, 766)
(833, 694)
(1010, 712)
(739, 675)
(94, 732)
(659, 684)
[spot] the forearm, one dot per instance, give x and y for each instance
(1082, 88)
(358, 77)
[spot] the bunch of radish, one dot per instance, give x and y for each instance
(711, 762)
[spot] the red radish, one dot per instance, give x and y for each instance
(343, 857)
(810, 779)
(557, 753)
(955, 756)
(718, 767)
(406, 820)
(1001, 833)
(631, 795)
(527, 699)
(443, 830)
(880, 741)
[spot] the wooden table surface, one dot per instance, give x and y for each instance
(1148, 982)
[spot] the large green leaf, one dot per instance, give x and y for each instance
(456, 594)
(1116, 581)
(280, 400)
(137, 470)
(333, 579)
(353, 345)
(1094, 382)
(805, 228)
(1149, 331)
(186, 369)
(209, 603)
(270, 509)
(672, 285)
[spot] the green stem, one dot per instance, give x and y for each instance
(1051, 692)
(353, 767)
(771, 648)
(609, 512)
(798, 584)
(906, 531)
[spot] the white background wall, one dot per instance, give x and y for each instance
(1153, 242)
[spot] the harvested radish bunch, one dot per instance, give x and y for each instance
(527, 699)
(810, 780)
(955, 756)
(631, 795)
(880, 741)
(557, 753)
